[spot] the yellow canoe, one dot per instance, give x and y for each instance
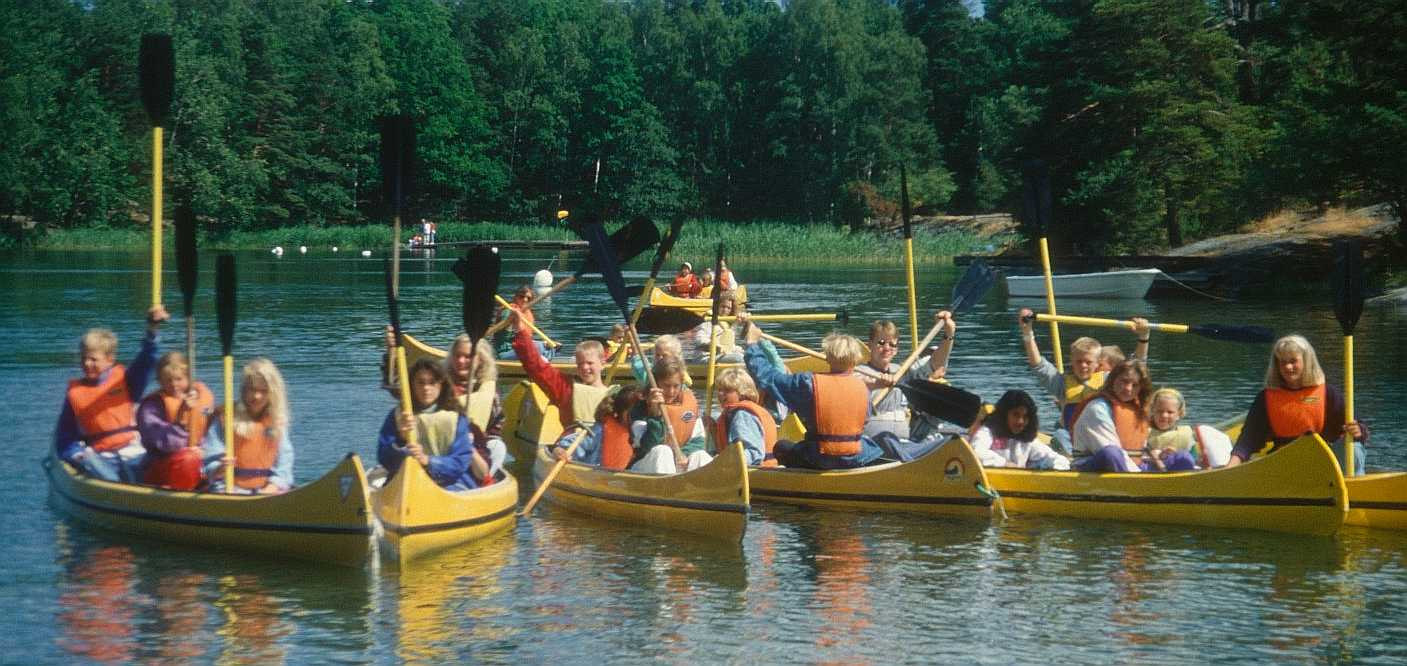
(1374, 500)
(529, 420)
(703, 302)
(511, 370)
(947, 480)
(324, 521)
(419, 517)
(710, 501)
(1299, 489)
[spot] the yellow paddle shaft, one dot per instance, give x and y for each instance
(503, 323)
(1110, 323)
(403, 374)
(156, 216)
(229, 424)
(828, 316)
(534, 327)
(913, 291)
(712, 366)
(1050, 306)
(909, 362)
(552, 474)
(813, 353)
(1348, 403)
(634, 317)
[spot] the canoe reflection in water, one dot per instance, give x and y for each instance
(453, 597)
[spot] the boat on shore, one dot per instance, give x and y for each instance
(948, 480)
(704, 301)
(1299, 490)
(1112, 284)
(511, 370)
(418, 517)
(711, 501)
(327, 520)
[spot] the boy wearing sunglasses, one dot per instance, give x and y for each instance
(892, 414)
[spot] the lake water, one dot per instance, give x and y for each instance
(804, 586)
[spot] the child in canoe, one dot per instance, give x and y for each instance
(742, 418)
(521, 317)
(96, 431)
(172, 422)
(1111, 434)
(1208, 446)
(576, 398)
(1082, 381)
(673, 404)
(686, 284)
(832, 405)
(441, 440)
(263, 454)
(1007, 437)
(1296, 400)
(613, 442)
(666, 346)
(892, 414)
(485, 410)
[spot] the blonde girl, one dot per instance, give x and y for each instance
(263, 453)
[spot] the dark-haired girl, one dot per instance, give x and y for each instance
(1008, 437)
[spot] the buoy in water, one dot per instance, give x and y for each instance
(302, 249)
(278, 250)
(366, 253)
(334, 248)
(542, 278)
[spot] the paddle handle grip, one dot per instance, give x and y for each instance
(229, 424)
(156, 199)
(403, 375)
(909, 362)
(534, 327)
(552, 474)
(1050, 306)
(1110, 323)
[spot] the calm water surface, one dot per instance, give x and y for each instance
(804, 586)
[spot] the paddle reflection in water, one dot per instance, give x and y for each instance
(97, 600)
(254, 623)
(451, 598)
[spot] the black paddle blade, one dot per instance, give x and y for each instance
(187, 260)
(479, 271)
(627, 243)
(666, 245)
(1348, 284)
(660, 320)
(603, 255)
(225, 300)
(717, 291)
(156, 70)
(1035, 195)
(393, 305)
(904, 199)
(1251, 334)
(943, 401)
(973, 286)
(397, 159)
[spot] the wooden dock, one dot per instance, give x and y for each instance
(559, 245)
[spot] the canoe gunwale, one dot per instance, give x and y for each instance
(444, 527)
(653, 501)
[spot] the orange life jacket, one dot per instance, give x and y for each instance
(841, 404)
(769, 428)
(1294, 413)
(255, 455)
(684, 285)
(104, 411)
(683, 415)
(195, 424)
(1128, 422)
(616, 451)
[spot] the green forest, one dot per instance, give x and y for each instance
(1162, 121)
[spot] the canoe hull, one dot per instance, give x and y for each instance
(1299, 489)
(711, 501)
(947, 481)
(419, 518)
(1113, 284)
(704, 302)
(1378, 500)
(328, 520)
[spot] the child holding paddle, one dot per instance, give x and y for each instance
(671, 402)
(441, 440)
(172, 422)
(485, 410)
(262, 451)
(1296, 399)
(576, 398)
(666, 346)
(96, 431)
(892, 414)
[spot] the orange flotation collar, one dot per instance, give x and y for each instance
(769, 428)
(255, 455)
(104, 411)
(616, 450)
(1294, 413)
(1130, 424)
(683, 415)
(841, 404)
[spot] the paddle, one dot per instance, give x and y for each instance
(865, 370)
(1225, 332)
(627, 242)
(1348, 285)
(713, 335)
(943, 401)
(545, 338)
(402, 373)
(909, 251)
(186, 272)
(479, 271)
(156, 71)
(973, 285)
(225, 315)
(1037, 203)
(397, 173)
(661, 254)
(663, 319)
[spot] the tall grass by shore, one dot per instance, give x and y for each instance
(762, 240)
